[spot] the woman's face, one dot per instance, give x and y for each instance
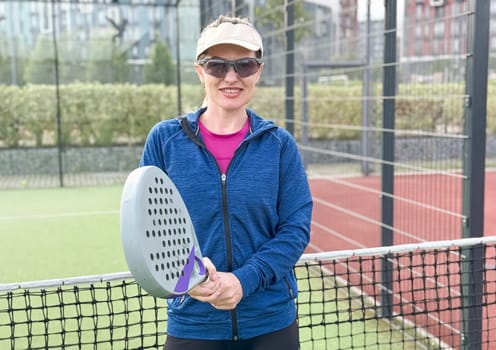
(230, 92)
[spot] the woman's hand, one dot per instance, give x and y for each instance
(222, 289)
(209, 286)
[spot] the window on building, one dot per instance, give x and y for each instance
(418, 48)
(418, 32)
(455, 27)
(45, 22)
(493, 8)
(439, 28)
(439, 11)
(418, 11)
(456, 46)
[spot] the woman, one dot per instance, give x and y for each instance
(246, 190)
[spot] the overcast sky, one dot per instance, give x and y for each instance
(377, 9)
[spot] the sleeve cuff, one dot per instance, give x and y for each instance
(249, 279)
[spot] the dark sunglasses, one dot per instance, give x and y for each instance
(219, 67)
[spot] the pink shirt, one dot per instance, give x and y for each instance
(223, 146)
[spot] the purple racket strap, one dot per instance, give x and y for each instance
(183, 283)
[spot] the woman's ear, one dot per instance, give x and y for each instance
(260, 70)
(200, 73)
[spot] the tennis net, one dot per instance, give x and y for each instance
(436, 295)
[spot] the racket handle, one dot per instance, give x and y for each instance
(189, 278)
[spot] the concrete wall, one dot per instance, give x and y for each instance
(31, 161)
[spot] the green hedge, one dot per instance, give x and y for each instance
(91, 114)
(98, 114)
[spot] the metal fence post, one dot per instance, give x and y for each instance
(387, 173)
(60, 144)
(474, 171)
(290, 66)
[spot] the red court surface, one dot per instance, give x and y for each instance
(347, 214)
(347, 217)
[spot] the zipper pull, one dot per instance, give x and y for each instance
(223, 178)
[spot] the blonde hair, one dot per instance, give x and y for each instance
(228, 19)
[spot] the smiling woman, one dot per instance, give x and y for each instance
(245, 187)
(55, 233)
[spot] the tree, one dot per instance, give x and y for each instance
(161, 68)
(40, 68)
(107, 64)
(273, 15)
(120, 68)
(5, 72)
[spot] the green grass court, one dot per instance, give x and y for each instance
(59, 232)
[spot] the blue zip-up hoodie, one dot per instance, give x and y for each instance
(253, 221)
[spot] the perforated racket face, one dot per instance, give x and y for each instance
(159, 241)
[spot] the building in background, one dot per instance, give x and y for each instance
(348, 28)
(90, 30)
(432, 33)
(435, 38)
(434, 28)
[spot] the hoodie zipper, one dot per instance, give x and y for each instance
(234, 317)
(227, 232)
(192, 135)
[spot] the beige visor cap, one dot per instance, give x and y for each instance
(239, 34)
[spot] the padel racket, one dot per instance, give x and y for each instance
(159, 240)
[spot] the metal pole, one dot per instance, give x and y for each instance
(304, 111)
(12, 46)
(475, 119)
(387, 178)
(57, 94)
(290, 66)
(178, 61)
(366, 101)
(474, 171)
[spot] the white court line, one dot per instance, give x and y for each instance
(58, 215)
